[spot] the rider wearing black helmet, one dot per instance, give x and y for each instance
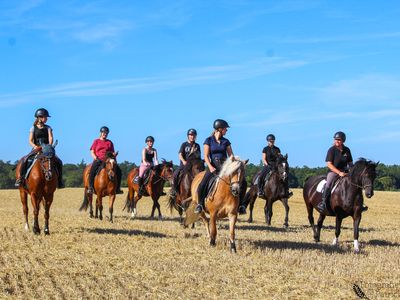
(149, 159)
(338, 160)
(270, 156)
(98, 151)
(216, 150)
(39, 134)
(188, 149)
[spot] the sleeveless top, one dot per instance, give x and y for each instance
(40, 135)
(149, 155)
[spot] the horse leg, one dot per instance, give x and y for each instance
(157, 204)
(356, 226)
(252, 201)
(35, 205)
(286, 205)
(111, 206)
(99, 206)
(24, 201)
(310, 210)
(48, 200)
(232, 222)
(213, 228)
(206, 222)
(90, 199)
(268, 212)
(319, 226)
(335, 241)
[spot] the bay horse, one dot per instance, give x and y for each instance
(222, 201)
(105, 184)
(194, 166)
(40, 184)
(346, 198)
(159, 174)
(274, 189)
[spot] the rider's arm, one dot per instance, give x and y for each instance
(31, 140)
(144, 156)
(264, 159)
(181, 158)
(155, 157)
(207, 158)
(229, 150)
(331, 167)
(50, 135)
(93, 154)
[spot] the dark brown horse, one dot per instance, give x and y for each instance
(274, 189)
(222, 201)
(154, 188)
(193, 167)
(346, 198)
(105, 184)
(40, 185)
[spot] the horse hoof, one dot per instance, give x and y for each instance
(46, 232)
(36, 231)
(26, 227)
(250, 221)
(286, 225)
(212, 243)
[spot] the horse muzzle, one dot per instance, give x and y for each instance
(235, 189)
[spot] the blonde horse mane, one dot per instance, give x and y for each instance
(230, 166)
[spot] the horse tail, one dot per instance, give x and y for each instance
(85, 202)
(127, 203)
(171, 203)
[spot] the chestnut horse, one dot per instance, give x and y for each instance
(159, 174)
(193, 167)
(40, 184)
(222, 201)
(346, 198)
(274, 190)
(105, 184)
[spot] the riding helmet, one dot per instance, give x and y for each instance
(270, 137)
(192, 131)
(219, 123)
(149, 138)
(340, 135)
(42, 112)
(104, 129)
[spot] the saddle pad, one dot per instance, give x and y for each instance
(321, 185)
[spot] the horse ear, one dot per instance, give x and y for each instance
(246, 161)
(286, 156)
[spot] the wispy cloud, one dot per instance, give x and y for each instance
(170, 80)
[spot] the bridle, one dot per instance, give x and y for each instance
(48, 174)
(363, 186)
(232, 183)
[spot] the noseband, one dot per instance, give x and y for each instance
(363, 186)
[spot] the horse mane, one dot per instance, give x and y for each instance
(191, 161)
(230, 166)
(360, 165)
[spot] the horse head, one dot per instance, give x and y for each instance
(45, 158)
(167, 170)
(194, 165)
(233, 173)
(283, 167)
(110, 166)
(363, 175)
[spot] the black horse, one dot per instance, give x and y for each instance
(346, 198)
(274, 189)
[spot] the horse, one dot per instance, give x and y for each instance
(40, 184)
(158, 175)
(222, 201)
(193, 166)
(274, 189)
(105, 184)
(346, 198)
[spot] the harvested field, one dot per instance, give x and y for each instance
(145, 258)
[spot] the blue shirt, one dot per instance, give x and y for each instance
(217, 150)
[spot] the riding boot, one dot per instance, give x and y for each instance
(325, 198)
(22, 171)
(92, 174)
(202, 193)
(242, 200)
(141, 187)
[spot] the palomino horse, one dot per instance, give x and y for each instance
(40, 185)
(193, 167)
(274, 189)
(105, 184)
(222, 201)
(154, 188)
(346, 198)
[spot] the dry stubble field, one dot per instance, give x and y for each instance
(144, 258)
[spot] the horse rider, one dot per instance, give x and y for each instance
(189, 148)
(338, 160)
(217, 149)
(100, 147)
(270, 155)
(149, 159)
(39, 134)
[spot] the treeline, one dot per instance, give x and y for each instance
(388, 177)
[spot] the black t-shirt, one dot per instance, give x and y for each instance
(340, 159)
(187, 149)
(41, 135)
(272, 154)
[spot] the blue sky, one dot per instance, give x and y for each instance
(299, 69)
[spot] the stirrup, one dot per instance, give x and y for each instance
(321, 206)
(19, 182)
(199, 208)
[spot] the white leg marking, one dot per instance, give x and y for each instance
(335, 242)
(356, 246)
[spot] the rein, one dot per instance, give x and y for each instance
(361, 186)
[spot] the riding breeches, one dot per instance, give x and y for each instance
(142, 168)
(330, 179)
(93, 170)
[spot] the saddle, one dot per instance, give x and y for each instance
(321, 185)
(146, 177)
(207, 187)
